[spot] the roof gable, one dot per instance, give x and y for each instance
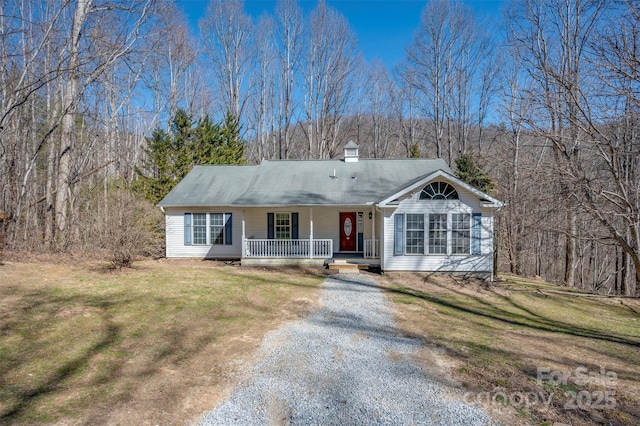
(418, 183)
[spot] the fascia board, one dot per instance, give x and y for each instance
(248, 206)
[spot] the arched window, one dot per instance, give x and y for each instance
(439, 191)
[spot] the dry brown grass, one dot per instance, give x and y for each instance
(158, 344)
(492, 337)
(163, 342)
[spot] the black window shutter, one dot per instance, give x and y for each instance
(228, 230)
(294, 226)
(187, 229)
(398, 244)
(270, 227)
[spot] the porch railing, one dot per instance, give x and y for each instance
(371, 249)
(288, 249)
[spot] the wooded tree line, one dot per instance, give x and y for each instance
(547, 100)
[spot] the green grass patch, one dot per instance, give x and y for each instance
(77, 340)
(498, 335)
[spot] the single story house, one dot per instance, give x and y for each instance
(397, 214)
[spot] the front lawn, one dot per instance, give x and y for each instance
(157, 344)
(529, 351)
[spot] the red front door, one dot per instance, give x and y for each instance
(348, 231)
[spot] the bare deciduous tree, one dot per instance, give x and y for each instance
(84, 63)
(450, 63)
(378, 95)
(610, 190)
(329, 62)
(289, 36)
(52, 58)
(227, 35)
(264, 106)
(550, 39)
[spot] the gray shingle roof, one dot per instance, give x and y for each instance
(293, 182)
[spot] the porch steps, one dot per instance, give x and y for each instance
(344, 266)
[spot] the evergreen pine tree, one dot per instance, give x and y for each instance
(156, 177)
(182, 135)
(218, 143)
(231, 148)
(415, 151)
(205, 141)
(170, 156)
(469, 172)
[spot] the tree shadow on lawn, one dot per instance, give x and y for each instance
(43, 308)
(101, 368)
(528, 319)
(512, 319)
(26, 397)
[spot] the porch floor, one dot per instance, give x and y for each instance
(343, 262)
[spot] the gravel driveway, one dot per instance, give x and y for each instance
(345, 364)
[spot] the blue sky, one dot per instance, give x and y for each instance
(383, 27)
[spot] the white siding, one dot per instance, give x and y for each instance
(326, 222)
(325, 226)
(487, 233)
(468, 203)
(174, 234)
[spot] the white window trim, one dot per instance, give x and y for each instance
(450, 230)
(208, 240)
(193, 228)
(425, 238)
(426, 241)
(447, 234)
(224, 229)
(429, 197)
(275, 225)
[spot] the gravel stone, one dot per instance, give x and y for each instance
(344, 364)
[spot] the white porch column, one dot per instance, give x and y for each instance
(311, 232)
(373, 231)
(244, 240)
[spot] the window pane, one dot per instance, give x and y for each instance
(282, 219)
(438, 233)
(439, 191)
(199, 228)
(460, 233)
(283, 226)
(283, 234)
(415, 234)
(415, 221)
(216, 221)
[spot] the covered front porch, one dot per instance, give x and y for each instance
(293, 253)
(300, 249)
(300, 235)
